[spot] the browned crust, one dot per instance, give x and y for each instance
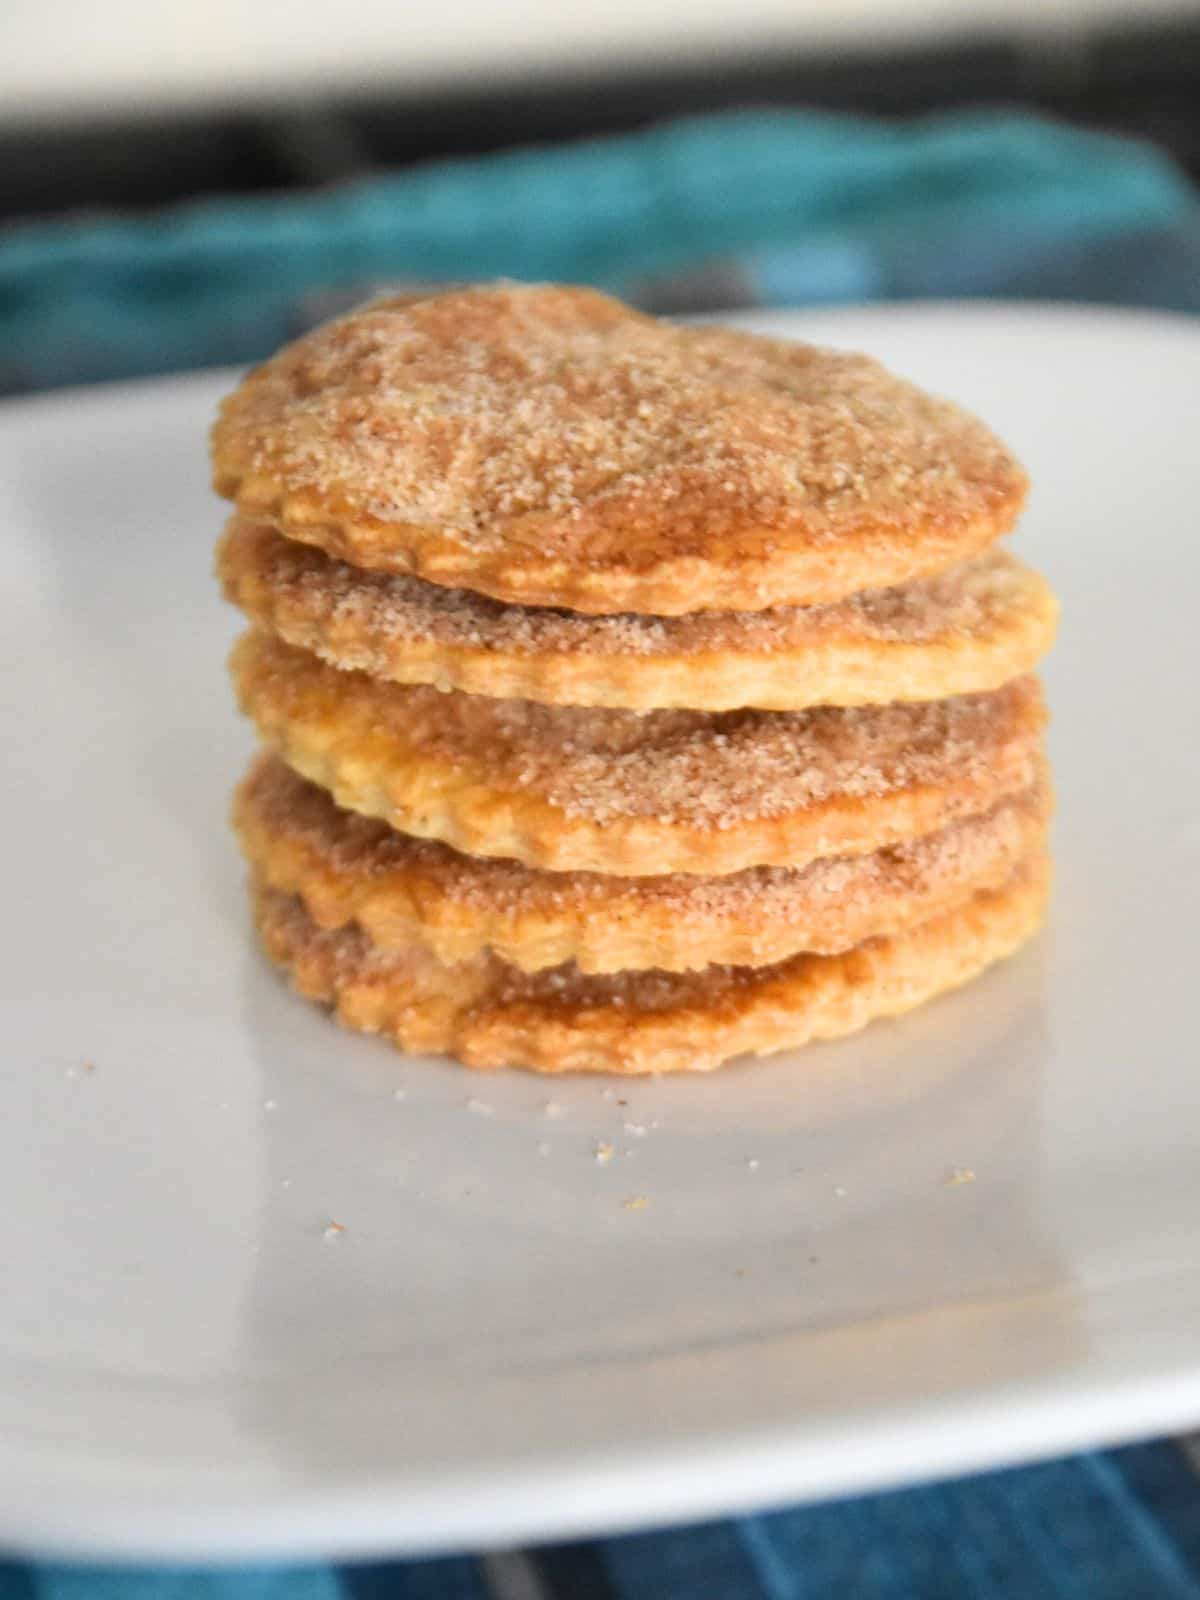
(403, 891)
(550, 446)
(964, 631)
(573, 789)
(490, 1015)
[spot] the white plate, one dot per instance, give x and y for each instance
(496, 1348)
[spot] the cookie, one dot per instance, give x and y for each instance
(404, 892)
(489, 1014)
(962, 631)
(571, 788)
(550, 446)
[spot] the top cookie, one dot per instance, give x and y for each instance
(550, 446)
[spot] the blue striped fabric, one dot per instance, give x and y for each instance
(1119, 1525)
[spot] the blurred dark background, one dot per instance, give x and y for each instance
(68, 142)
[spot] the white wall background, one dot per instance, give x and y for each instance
(60, 58)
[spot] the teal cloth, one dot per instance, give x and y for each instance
(808, 207)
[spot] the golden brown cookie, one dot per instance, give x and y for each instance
(969, 629)
(589, 789)
(404, 892)
(552, 447)
(489, 1014)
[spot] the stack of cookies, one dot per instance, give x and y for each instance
(632, 696)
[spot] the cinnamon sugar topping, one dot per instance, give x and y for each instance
(378, 608)
(549, 445)
(404, 890)
(705, 768)
(277, 804)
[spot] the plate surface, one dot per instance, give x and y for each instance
(496, 1347)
